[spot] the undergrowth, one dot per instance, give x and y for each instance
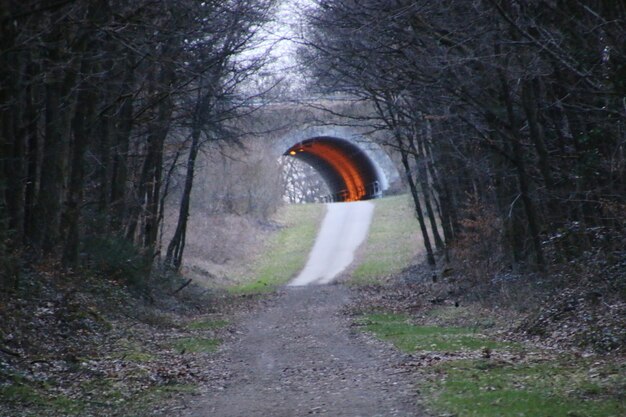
(78, 344)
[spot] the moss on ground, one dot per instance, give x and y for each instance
(544, 385)
(197, 345)
(142, 404)
(410, 338)
(133, 352)
(560, 388)
(39, 400)
(207, 324)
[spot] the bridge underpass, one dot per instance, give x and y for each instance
(349, 172)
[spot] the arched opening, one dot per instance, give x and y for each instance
(347, 170)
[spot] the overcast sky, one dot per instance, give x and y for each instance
(281, 35)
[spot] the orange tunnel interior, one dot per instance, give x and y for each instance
(348, 171)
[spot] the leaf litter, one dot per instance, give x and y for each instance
(78, 345)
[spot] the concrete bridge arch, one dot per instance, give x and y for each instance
(353, 166)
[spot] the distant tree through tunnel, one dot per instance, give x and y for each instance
(348, 171)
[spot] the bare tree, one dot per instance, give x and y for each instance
(502, 105)
(95, 97)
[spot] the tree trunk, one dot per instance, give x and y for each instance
(154, 165)
(55, 162)
(176, 247)
(418, 207)
(422, 178)
(82, 125)
(441, 189)
(522, 176)
(164, 194)
(15, 164)
(32, 174)
(119, 168)
(145, 208)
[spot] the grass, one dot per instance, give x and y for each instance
(37, 401)
(410, 338)
(393, 241)
(207, 324)
(137, 356)
(143, 403)
(106, 390)
(287, 252)
(392, 245)
(133, 352)
(544, 385)
(105, 396)
(544, 389)
(21, 393)
(197, 345)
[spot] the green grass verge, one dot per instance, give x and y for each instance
(549, 387)
(410, 338)
(392, 245)
(482, 388)
(287, 251)
(393, 241)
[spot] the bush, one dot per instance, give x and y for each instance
(9, 260)
(478, 248)
(117, 258)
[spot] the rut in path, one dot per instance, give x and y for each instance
(300, 357)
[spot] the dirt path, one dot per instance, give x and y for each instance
(300, 357)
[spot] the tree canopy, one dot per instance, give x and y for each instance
(508, 116)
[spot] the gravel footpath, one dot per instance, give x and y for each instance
(299, 356)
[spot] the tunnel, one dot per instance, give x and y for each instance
(347, 170)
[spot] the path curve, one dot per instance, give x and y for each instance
(343, 229)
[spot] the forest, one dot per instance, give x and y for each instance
(102, 101)
(133, 148)
(508, 118)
